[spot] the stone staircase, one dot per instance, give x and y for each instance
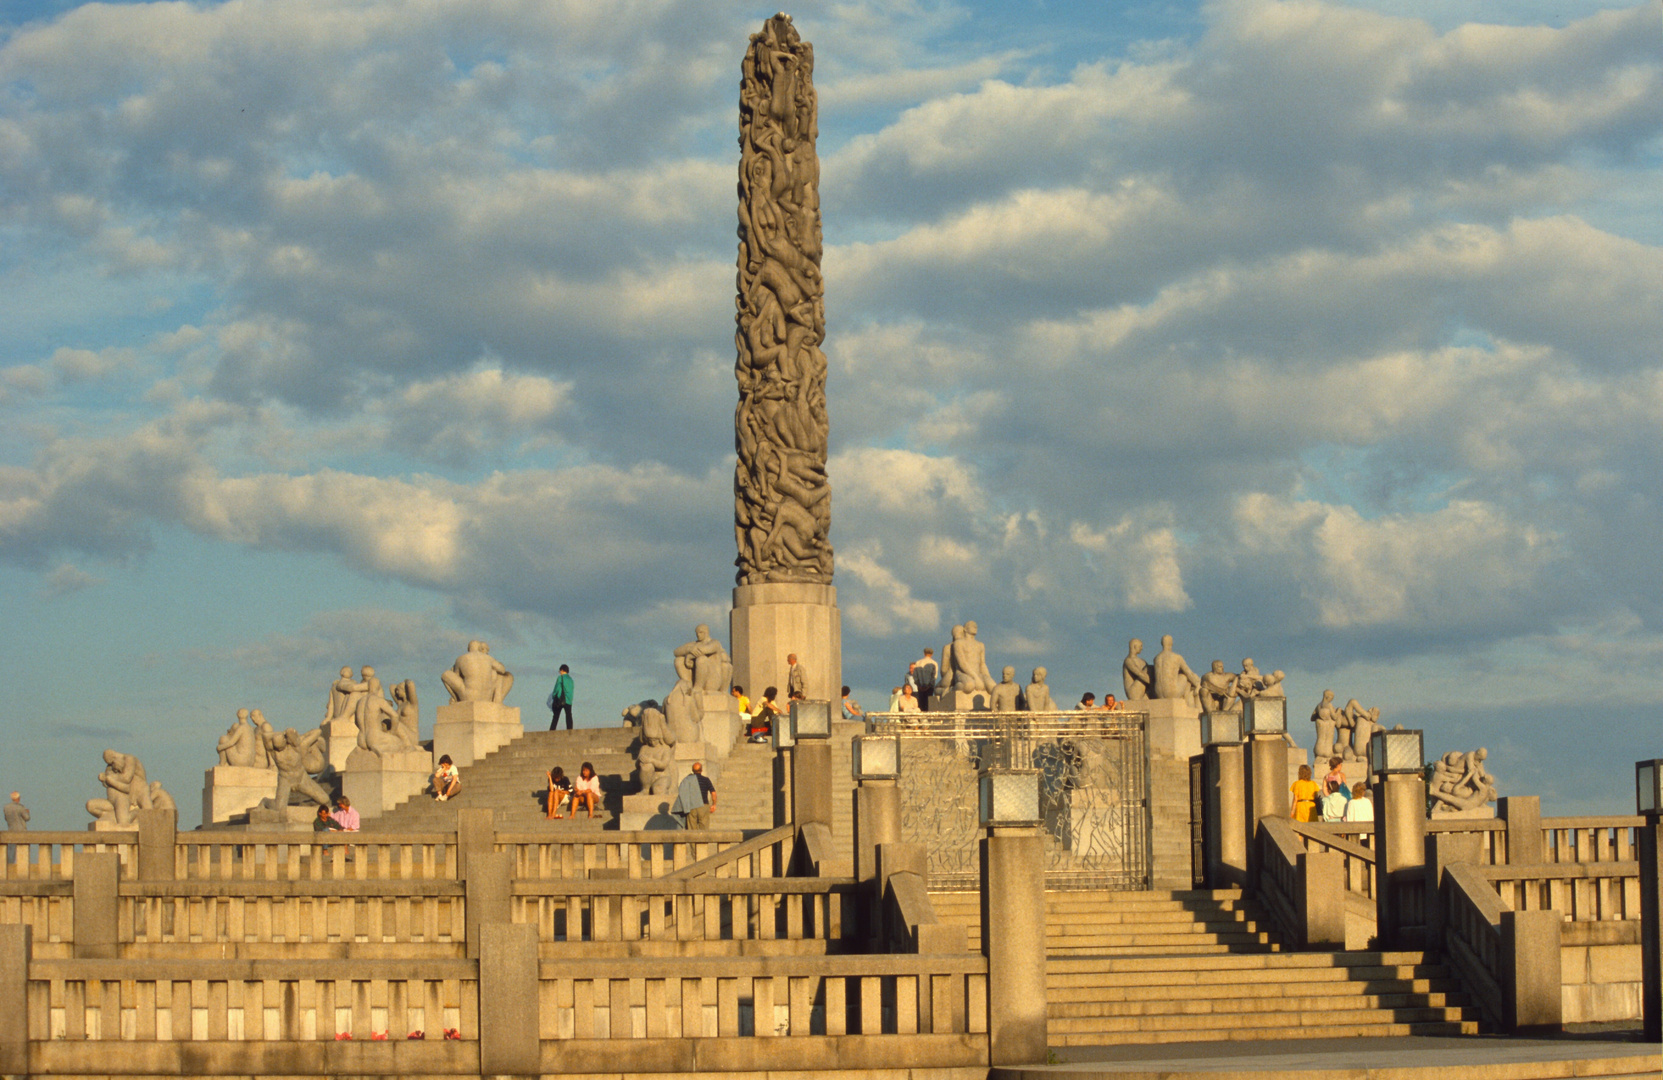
(1182, 966)
(511, 781)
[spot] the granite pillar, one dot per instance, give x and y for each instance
(508, 1000)
(1651, 927)
(1013, 940)
(1226, 832)
(97, 874)
(15, 943)
(1400, 861)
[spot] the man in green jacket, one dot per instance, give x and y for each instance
(561, 698)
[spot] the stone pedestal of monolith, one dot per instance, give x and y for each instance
(468, 730)
(375, 783)
(773, 620)
(1174, 726)
(229, 790)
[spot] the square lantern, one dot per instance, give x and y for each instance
(1009, 797)
(1221, 729)
(780, 724)
(1396, 751)
(877, 757)
(1265, 716)
(1648, 787)
(811, 720)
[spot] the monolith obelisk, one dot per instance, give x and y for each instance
(784, 602)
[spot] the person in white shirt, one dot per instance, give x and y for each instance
(906, 703)
(586, 790)
(1359, 808)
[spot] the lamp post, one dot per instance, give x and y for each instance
(1648, 800)
(1013, 915)
(1397, 759)
(1224, 832)
(876, 764)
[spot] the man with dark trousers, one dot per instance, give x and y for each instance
(561, 698)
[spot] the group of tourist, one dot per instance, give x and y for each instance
(583, 792)
(1333, 799)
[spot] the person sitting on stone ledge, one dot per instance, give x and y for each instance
(906, 702)
(446, 784)
(345, 815)
(1088, 700)
(1109, 701)
(741, 702)
(560, 791)
(325, 822)
(762, 719)
(851, 708)
(586, 790)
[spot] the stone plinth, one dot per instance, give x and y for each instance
(958, 701)
(1174, 726)
(772, 620)
(468, 730)
(647, 812)
(229, 790)
(111, 826)
(340, 739)
(689, 752)
(377, 783)
(719, 721)
(296, 818)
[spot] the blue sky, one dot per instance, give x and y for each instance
(1320, 333)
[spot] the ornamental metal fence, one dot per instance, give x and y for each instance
(1093, 790)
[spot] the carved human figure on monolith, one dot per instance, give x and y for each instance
(1135, 673)
(1037, 696)
(782, 498)
(1006, 694)
(704, 663)
(477, 676)
(1173, 677)
(388, 727)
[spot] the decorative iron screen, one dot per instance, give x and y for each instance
(1093, 790)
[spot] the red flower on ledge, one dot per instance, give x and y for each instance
(452, 1033)
(344, 1036)
(417, 1035)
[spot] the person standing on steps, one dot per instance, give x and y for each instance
(561, 698)
(695, 798)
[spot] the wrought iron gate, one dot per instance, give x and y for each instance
(1093, 790)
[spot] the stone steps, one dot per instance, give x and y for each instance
(1196, 966)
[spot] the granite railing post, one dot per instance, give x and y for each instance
(1523, 815)
(158, 840)
(1013, 940)
(14, 999)
(1226, 831)
(889, 859)
(97, 877)
(877, 821)
(1442, 851)
(1321, 900)
(1266, 772)
(475, 834)
(1530, 975)
(509, 1043)
(811, 782)
(1400, 861)
(487, 875)
(1650, 856)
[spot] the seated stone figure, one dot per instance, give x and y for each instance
(656, 754)
(388, 727)
(241, 744)
(126, 790)
(1218, 690)
(1460, 782)
(703, 663)
(477, 676)
(1327, 719)
(1361, 723)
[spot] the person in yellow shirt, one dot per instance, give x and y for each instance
(1304, 796)
(742, 701)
